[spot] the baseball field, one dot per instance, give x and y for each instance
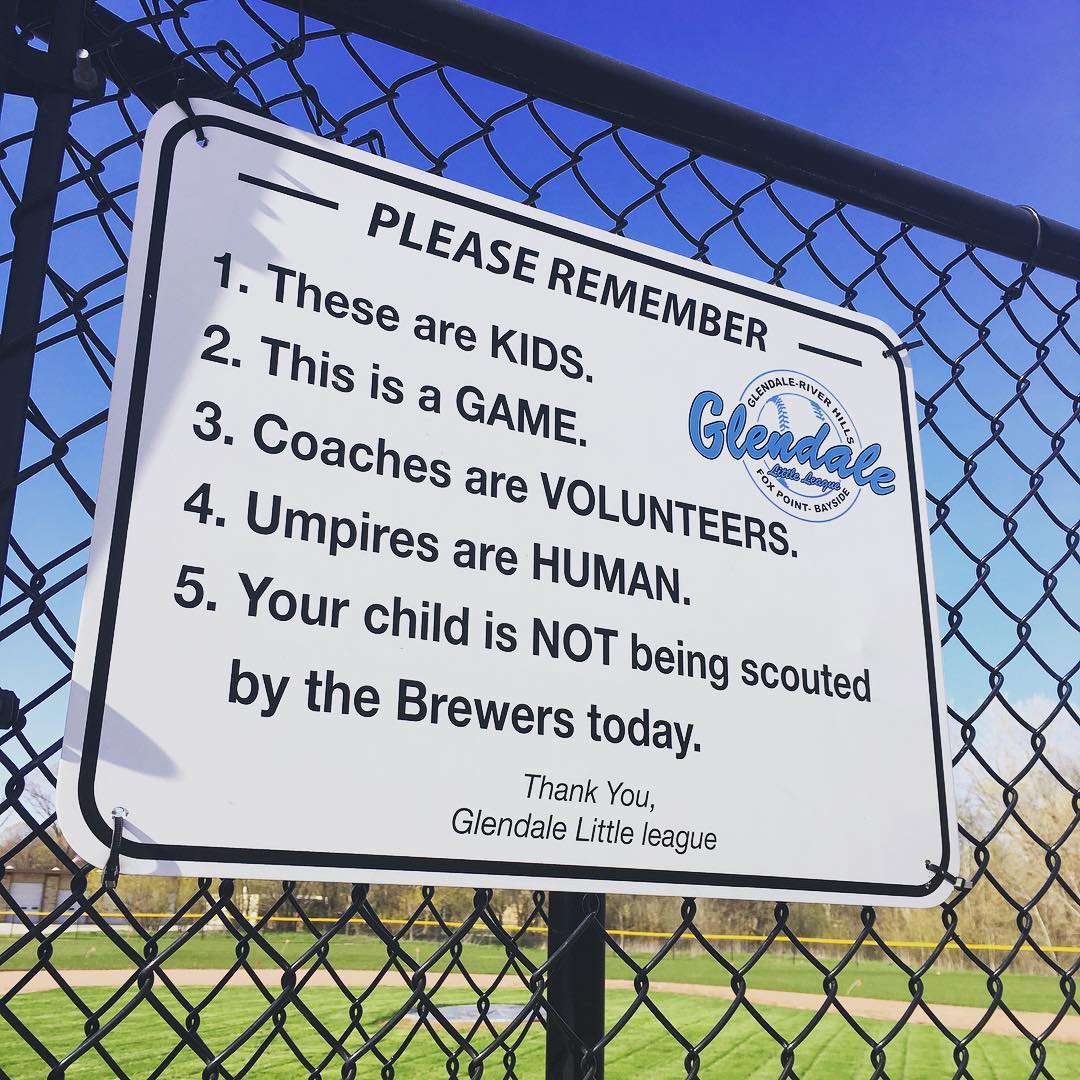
(689, 995)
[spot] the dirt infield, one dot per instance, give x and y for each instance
(957, 1018)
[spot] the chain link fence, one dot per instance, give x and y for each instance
(227, 979)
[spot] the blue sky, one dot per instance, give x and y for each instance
(982, 94)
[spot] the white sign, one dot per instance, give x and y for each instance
(445, 540)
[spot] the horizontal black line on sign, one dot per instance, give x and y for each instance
(270, 186)
(830, 355)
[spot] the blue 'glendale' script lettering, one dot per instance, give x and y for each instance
(710, 434)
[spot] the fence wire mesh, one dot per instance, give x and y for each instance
(323, 980)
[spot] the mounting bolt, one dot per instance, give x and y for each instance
(83, 74)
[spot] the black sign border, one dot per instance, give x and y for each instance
(241, 857)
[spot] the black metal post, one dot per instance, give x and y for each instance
(576, 987)
(32, 228)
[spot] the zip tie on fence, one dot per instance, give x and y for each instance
(9, 708)
(1016, 289)
(184, 102)
(904, 346)
(959, 883)
(111, 873)
(1036, 250)
(374, 140)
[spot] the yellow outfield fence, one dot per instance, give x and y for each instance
(615, 931)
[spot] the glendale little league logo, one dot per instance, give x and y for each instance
(797, 442)
(789, 401)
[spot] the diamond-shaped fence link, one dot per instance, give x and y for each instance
(227, 979)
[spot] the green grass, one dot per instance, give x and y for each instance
(833, 1051)
(866, 978)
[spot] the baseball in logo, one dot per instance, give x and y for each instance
(797, 442)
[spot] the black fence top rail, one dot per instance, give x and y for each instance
(488, 45)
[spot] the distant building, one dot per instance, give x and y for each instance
(37, 890)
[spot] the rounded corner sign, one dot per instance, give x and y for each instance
(441, 539)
